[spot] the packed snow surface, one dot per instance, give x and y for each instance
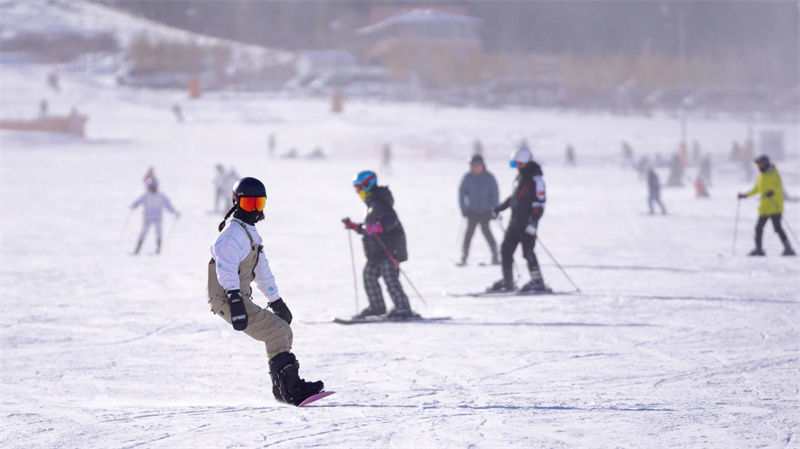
(673, 341)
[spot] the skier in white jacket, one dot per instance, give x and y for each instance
(153, 202)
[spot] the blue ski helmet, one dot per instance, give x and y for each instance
(364, 182)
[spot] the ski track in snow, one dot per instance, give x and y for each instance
(673, 342)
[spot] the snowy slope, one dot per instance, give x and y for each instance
(674, 343)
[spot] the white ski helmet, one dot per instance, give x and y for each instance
(521, 155)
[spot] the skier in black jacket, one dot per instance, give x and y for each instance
(384, 245)
(527, 206)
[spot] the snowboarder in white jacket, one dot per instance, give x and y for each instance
(237, 261)
(153, 202)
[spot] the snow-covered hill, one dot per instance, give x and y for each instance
(674, 341)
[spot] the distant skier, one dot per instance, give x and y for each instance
(220, 187)
(654, 191)
(386, 157)
(153, 202)
(384, 245)
(271, 145)
(527, 207)
(569, 156)
(477, 197)
(237, 261)
(770, 187)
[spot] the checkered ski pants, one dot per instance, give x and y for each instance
(384, 268)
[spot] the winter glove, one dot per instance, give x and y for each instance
(374, 229)
(350, 225)
(238, 312)
(279, 308)
(537, 212)
(530, 229)
(742, 195)
(769, 193)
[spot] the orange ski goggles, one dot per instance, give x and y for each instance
(251, 203)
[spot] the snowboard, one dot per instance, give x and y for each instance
(383, 319)
(315, 397)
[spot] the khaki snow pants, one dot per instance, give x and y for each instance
(262, 325)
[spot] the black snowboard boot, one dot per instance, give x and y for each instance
(757, 252)
(286, 383)
(501, 286)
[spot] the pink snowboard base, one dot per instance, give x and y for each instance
(316, 397)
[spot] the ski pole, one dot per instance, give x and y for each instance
(736, 226)
(171, 229)
(397, 265)
(786, 223)
(513, 262)
(353, 264)
(541, 243)
(125, 225)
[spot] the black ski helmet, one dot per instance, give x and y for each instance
(476, 159)
(245, 187)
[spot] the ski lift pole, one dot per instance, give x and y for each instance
(397, 265)
(541, 243)
(353, 264)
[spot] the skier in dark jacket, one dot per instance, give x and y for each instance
(384, 245)
(527, 206)
(654, 191)
(477, 197)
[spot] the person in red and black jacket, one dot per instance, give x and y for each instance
(527, 206)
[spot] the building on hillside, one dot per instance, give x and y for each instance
(436, 47)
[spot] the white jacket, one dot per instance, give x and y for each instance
(231, 248)
(153, 202)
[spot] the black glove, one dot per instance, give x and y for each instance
(769, 193)
(238, 312)
(536, 213)
(279, 308)
(742, 195)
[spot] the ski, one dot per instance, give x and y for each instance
(383, 319)
(315, 397)
(485, 294)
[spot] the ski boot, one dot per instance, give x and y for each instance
(756, 252)
(462, 262)
(535, 285)
(371, 311)
(287, 386)
(501, 286)
(401, 314)
(788, 251)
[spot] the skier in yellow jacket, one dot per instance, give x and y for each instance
(770, 187)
